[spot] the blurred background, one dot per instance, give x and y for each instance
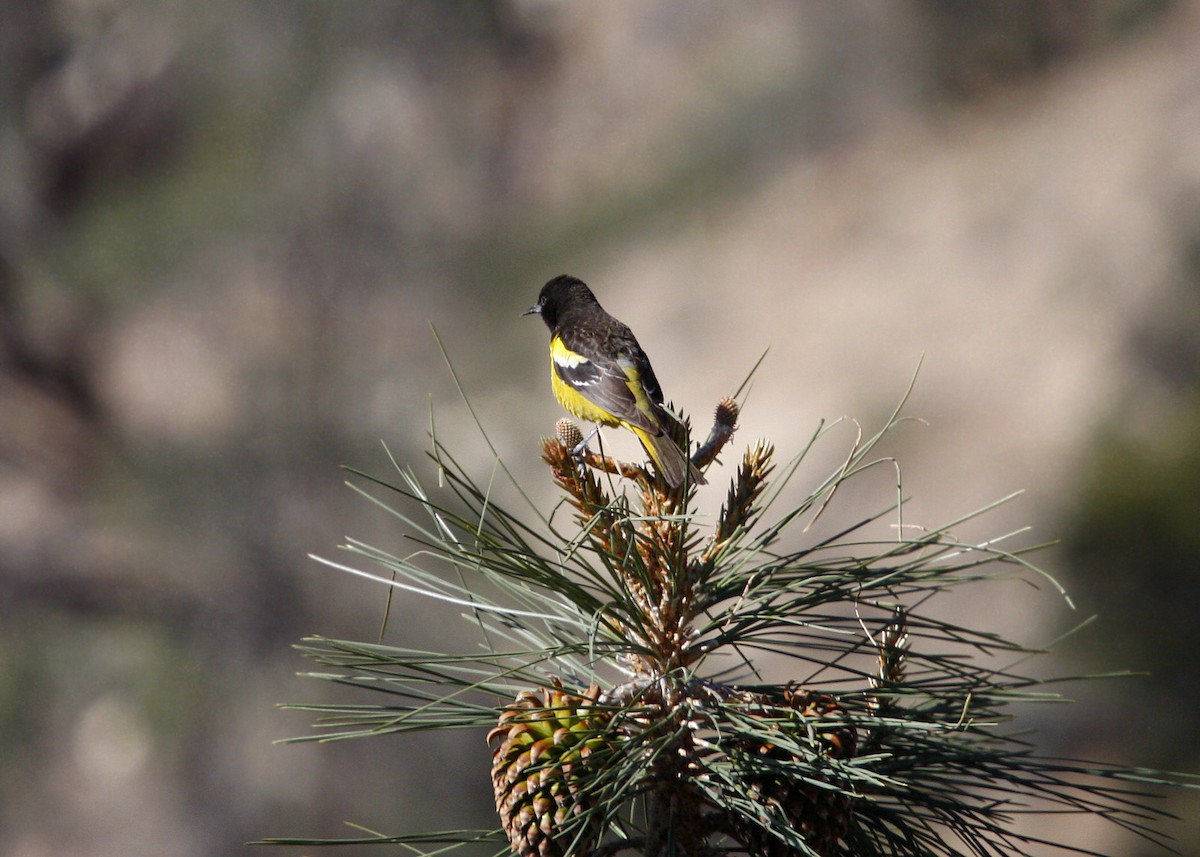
(228, 229)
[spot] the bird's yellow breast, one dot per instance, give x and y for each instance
(570, 398)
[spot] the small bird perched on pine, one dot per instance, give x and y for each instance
(599, 373)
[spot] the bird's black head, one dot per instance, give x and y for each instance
(556, 295)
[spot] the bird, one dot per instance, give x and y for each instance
(599, 373)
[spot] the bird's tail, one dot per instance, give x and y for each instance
(669, 459)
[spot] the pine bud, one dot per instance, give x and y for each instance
(568, 433)
(727, 413)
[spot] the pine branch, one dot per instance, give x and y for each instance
(618, 679)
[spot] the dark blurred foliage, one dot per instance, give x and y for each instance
(1131, 539)
(976, 46)
(1135, 547)
(224, 230)
(1132, 536)
(152, 571)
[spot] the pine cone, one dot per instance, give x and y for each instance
(543, 750)
(821, 815)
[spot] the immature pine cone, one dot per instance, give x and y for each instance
(543, 750)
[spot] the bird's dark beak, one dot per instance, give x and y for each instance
(535, 309)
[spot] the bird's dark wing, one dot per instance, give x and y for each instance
(646, 371)
(616, 385)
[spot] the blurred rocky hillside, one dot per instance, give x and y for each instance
(228, 231)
